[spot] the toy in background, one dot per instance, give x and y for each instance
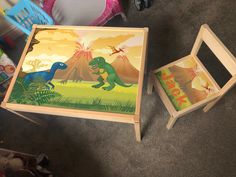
(17, 164)
(7, 69)
(140, 4)
(80, 13)
(6, 42)
(113, 8)
(2, 11)
(24, 14)
(38, 2)
(9, 162)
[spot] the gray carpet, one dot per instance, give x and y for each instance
(199, 145)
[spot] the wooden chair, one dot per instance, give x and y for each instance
(185, 85)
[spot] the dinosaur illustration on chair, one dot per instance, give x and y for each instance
(107, 73)
(44, 76)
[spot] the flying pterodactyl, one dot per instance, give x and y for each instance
(115, 51)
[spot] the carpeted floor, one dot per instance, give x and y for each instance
(199, 145)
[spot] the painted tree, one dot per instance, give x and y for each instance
(36, 64)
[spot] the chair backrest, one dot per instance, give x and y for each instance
(221, 52)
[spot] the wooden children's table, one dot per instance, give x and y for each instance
(82, 72)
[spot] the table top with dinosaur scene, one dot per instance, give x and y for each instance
(95, 69)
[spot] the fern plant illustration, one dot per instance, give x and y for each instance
(43, 96)
(35, 93)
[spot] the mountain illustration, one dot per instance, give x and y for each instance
(78, 67)
(194, 83)
(125, 70)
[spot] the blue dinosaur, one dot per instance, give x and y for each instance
(44, 76)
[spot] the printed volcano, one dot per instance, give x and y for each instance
(77, 67)
(125, 70)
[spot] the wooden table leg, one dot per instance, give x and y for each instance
(137, 128)
(40, 123)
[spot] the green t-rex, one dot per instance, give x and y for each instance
(107, 73)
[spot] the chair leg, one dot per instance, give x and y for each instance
(38, 122)
(150, 85)
(171, 122)
(210, 105)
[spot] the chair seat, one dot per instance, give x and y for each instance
(186, 82)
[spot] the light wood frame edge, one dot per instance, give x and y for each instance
(115, 117)
(141, 74)
(10, 88)
(94, 28)
(221, 52)
(209, 76)
(122, 118)
(209, 37)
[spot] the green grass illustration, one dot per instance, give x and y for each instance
(80, 95)
(35, 93)
(168, 91)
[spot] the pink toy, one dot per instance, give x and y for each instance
(112, 8)
(47, 6)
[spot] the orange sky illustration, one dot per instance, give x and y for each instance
(201, 79)
(60, 45)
